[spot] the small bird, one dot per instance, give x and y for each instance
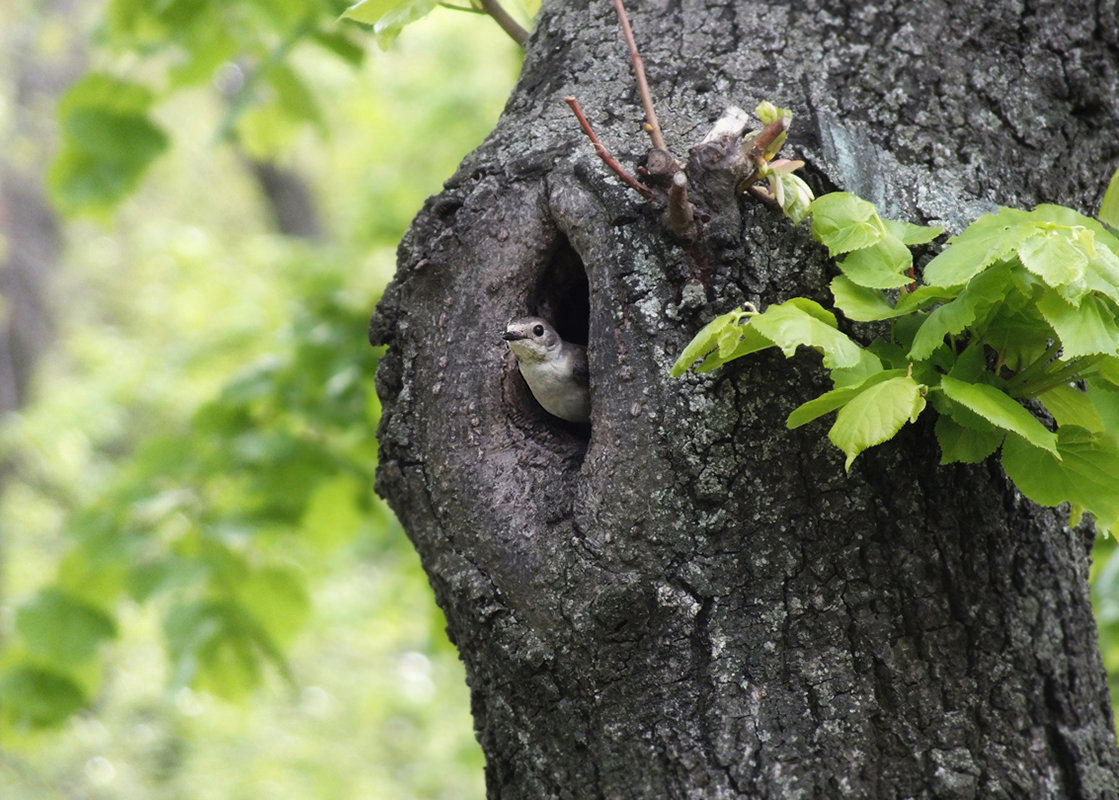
(555, 370)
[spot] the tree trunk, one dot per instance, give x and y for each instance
(689, 600)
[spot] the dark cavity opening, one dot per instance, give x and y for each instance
(562, 295)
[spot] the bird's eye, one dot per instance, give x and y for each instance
(537, 330)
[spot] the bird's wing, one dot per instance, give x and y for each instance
(579, 369)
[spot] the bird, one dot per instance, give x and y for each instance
(555, 371)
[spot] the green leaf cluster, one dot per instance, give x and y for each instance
(389, 17)
(108, 141)
(110, 132)
(787, 189)
(1021, 307)
(208, 523)
(215, 524)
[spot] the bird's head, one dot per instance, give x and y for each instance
(532, 338)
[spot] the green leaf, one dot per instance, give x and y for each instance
(966, 445)
(341, 45)
(1070, 406)
(108, 142)
(113, 136)
(990, 238)
(1109, 208)
(294, 98)
(202, 60)
(1063, 216)
(1100, 245)
(962, 415)
(389, 17)
(38, 696)
(1018, 333)
(891, 354)
(369, 11)
(869, 364)
(970, 364)
(728, 341)
(1101, 275)
(767, 112)
(707, 340)
(749, 342)
(102, 90)
(844, 222)
(836, 398)
(1083, 474)
(152, 576)
(800, 321)
(1107, 369)
(335, 511)
(277, 600)
(216, 646)
(795, 196)
(1090, 329)
(811, 308)
(859, 303)
(1054, 256)
(1105, 400)
(912, 234)
(923, 297)
(981, 295)
(875, 414)
(1000, 409)
(62, 628)
(882, 265)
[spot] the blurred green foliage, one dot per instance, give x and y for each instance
(108, 141)
(187, 513)
(1105, 600)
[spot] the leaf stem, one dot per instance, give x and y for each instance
(1076, 368)
(1038, 366)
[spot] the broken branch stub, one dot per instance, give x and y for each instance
(659, 168)
(680, 217)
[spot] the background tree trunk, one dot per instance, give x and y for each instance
(30, 233)
(690, 600)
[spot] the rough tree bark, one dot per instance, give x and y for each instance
(689, 600)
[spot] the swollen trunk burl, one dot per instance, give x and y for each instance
(687, 600)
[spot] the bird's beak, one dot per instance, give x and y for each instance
(509, 336)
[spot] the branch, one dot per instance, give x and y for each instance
(507, 23)
(756, 148)
(681, 213)
(652, 126)
(604, 154)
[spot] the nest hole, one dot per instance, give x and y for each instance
(562, 295)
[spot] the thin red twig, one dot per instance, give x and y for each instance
(653, 126)
(604, 154)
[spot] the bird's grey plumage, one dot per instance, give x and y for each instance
(555, 371)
